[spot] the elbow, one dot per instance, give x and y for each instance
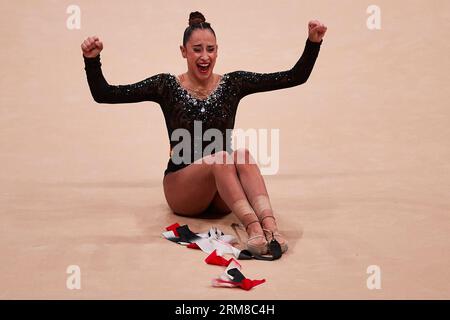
(301, 80)
(99, 98)
(98, 93)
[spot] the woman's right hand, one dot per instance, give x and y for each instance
(91, 47)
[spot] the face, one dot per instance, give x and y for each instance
(201, 53)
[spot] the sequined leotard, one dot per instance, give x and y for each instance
(181, 108)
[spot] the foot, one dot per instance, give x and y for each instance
(256, 243)
(271, 231)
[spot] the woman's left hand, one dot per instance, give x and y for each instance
(316, 30)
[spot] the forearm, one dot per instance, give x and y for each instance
(97, 83)
(304, 66)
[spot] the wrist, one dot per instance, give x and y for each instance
(92, 62)
(97, 56)
(314, 42)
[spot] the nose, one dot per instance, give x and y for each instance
(204, 56)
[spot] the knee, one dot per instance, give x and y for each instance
(243, 158)
(222, 161)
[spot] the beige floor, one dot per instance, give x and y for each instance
(364, 173)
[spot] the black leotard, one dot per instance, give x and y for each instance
(181, 108)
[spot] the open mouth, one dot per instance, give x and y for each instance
(203, 67)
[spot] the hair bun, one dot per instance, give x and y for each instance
(196, 17)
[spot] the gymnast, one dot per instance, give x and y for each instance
(223, 180)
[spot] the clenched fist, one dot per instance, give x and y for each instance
(91, 47)
(316, 30)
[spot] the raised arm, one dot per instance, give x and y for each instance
(149, 89)
(251, 82)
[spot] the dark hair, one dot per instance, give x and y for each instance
(196, 21)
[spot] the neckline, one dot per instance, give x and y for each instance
(192, 95)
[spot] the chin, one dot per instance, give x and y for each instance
(205, 75)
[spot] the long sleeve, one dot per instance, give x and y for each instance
(150, 89)
(251, 82)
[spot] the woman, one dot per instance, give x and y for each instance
(218, 181)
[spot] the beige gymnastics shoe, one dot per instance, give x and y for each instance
(257, 244)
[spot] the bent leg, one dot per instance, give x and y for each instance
(191, 190)
(211, 180)
(255, 189)
(218, 207)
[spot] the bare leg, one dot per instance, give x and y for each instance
(190, 191)
(256, 192)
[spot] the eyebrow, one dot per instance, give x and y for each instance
(199, 45)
